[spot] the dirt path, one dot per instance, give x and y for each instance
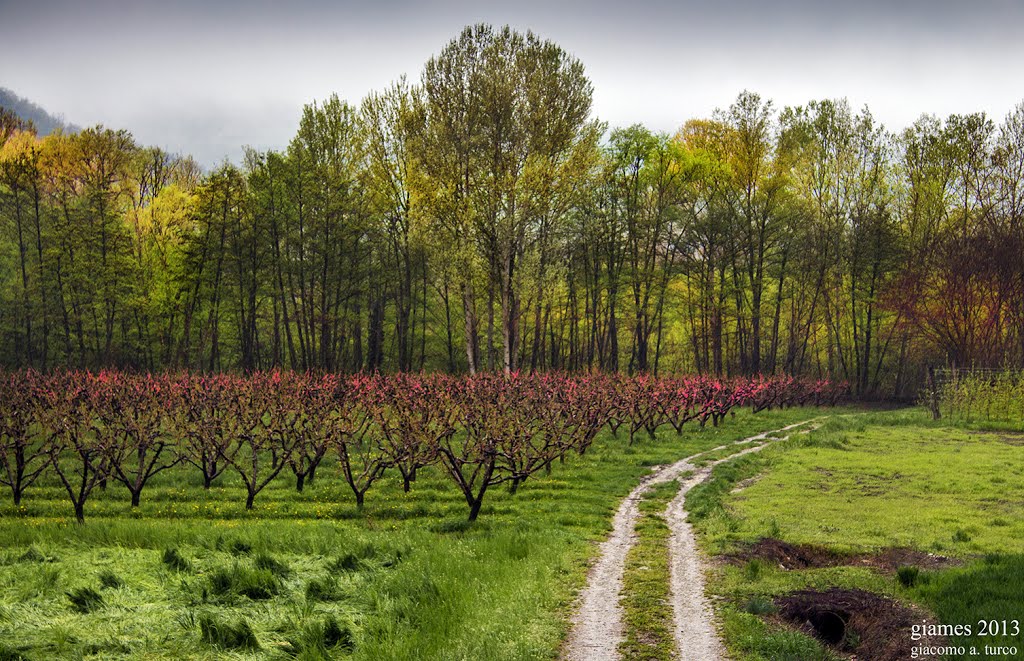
(597, 627)
(693, 617)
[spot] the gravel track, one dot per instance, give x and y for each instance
(597, 628)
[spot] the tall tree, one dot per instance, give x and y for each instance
(754, 196)
(504, 111)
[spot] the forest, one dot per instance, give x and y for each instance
(482, 219)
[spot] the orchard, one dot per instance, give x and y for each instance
(92, 429)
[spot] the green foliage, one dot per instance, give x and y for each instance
(387, 231)
(110, 580)
(855, 494)
(705, 500)
(33, 554)
(983, 590)
(226, 634)
(326, 589)
(752, 570)
(174, 560)
(749, 635)
(322, 639)
(85, 599)
(961, 536)
(240, 547)
(908, 575)
(986, 396)
(346, 562)
(8, 653)
(269, 563)
(760, 605)
(244, 581)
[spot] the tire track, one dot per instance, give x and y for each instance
(597, 628)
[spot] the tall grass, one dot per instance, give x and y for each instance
(987, 590)
(309, 575)
(970, 396)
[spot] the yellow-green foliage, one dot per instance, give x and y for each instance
(984, 397)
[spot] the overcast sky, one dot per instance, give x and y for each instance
(206, 78)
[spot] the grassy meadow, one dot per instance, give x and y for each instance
(191, 574)
(860, 484)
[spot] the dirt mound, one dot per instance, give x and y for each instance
(791, 556)
(805, 556)
(865, 624)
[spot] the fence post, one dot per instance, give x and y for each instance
(933, 393)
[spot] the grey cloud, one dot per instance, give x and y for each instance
(206, 78)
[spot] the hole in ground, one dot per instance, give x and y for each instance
(830, 626)
(867, 624)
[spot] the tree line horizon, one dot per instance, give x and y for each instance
(482, 219)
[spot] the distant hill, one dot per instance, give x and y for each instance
(44, 122)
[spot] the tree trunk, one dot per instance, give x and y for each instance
(469, 311)
(474, 507)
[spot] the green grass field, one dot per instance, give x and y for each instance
(191, 574)
(860, 484)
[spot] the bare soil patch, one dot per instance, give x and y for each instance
(788, 556)
(743, 484)
(806, 556)
(1008, 437)
(1012, 439)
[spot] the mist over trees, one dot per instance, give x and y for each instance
(481, 219)
(43, 122)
